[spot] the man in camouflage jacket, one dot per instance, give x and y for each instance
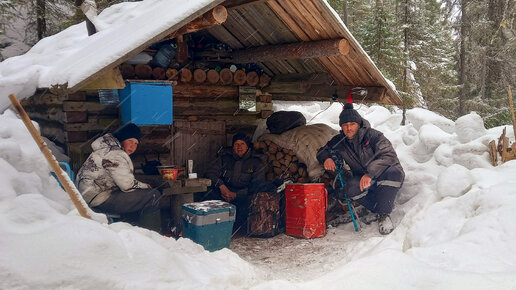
(233, 172)
(107, 183)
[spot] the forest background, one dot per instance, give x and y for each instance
(449, 56)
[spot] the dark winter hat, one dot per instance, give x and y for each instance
(349, 115)
(243, 137)
(127, 131)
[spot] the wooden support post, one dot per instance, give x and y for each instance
(313, 49)
(66, 182)
(298, 91)
(182, 50)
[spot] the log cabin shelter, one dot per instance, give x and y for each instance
(194, 75)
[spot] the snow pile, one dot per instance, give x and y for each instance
(45, 244)
(454, 218)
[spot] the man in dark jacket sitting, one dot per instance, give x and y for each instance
(377, 172)
(232, 173)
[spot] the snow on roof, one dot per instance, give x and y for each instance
(71, 56)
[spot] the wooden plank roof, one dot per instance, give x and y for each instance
(82, 59)
(259, 23)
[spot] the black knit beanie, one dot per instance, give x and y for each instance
(349, 115)
(127, 131)
(243, 137)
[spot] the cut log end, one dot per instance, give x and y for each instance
(212, 76)
(186, 75)
(199, 75)
(265, 80)
(143, 71)
(172, 74)
(240, 77)
(343, 46)
(226, 76)
(219, 14)
(158, 73)
(252, 78)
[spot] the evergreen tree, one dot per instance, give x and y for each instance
(432, 50)
(488, 58)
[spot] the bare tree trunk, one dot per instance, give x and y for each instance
(41, 18)
(345, 12)
(464, 89)
(78, 15)
(379, 27)
(495, 14)
(404, 86)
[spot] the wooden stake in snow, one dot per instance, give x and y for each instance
(66, 182)
(509, 93)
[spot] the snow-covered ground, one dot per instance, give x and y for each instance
(454, 214)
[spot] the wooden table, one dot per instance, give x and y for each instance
(182, 191)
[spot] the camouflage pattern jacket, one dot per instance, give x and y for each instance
(237, 173)
(108, 168)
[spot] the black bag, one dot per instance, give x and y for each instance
(150, 167)
(282, 121)
(265, 215)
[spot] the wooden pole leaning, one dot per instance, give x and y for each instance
(66, 182)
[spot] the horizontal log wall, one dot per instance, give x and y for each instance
(74, 121)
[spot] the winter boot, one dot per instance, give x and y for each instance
(385, 225)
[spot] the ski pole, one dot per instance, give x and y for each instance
(348, 201)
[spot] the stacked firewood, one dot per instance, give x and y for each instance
(185, 75)
(283, 162)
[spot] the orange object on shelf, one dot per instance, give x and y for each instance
(168, 172)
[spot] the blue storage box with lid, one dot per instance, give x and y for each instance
(146, 103)
(209, 223)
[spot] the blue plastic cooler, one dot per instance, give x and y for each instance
(209, 223)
